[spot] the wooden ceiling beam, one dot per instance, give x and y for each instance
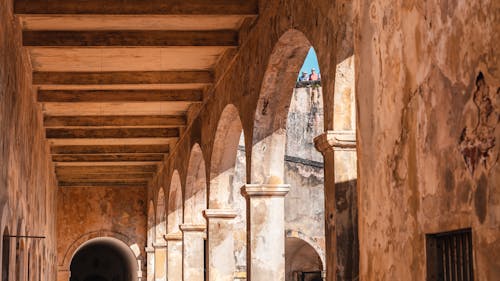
(114, 121)
(98, 177)
(108, 157)
(119, 95)
(130, 38)
(140, 183)
(108, 149)
(87, 170)
(137, 7)
(122, 77)
(118, 133)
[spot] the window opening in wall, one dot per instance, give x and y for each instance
(5, 255)
(449, 256)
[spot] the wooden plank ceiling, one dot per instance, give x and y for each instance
(116, 78)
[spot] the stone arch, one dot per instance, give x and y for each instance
(124, 248)
(223, 158)
(311, 242)
(161, 218)
(151, 223)
(269, 131)
(195, 195)
(73, 248)
(175, 208)
(300, 257)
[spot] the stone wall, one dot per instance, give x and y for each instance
(27, 181)
(85, 213)
(428, 88)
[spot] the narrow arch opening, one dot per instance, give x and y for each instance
(103, 259)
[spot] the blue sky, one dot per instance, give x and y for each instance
(311, 61)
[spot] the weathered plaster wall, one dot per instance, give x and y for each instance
(86, 213)
(27, 182)
(304, 204)
(428, 88)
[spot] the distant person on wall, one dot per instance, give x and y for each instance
(304, 77)
(314, 76)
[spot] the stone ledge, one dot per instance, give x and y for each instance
(175, 236)
(335, 140)
(270, 190)
(161, 245)
(219, 214)
(192, 227)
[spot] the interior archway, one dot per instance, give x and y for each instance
(269, 132)
(303, 263)
(104, 259)
(196, 188)
(175, 214)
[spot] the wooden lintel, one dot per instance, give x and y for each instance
(122, 77)
(114, 121)
(108, 149)
(61, 133)
(130, 38)
(119, 95)
(107, 157)
(136, 7)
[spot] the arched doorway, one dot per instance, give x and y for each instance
(104, 259)
(303, 263)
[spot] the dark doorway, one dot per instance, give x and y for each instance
(100, 261)
(5, 255)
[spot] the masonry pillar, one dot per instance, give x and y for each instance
(341, 212)
(220, 242)
(266, 231)
(150, 259)
(160, 261)
(193, 254)
(174, 256)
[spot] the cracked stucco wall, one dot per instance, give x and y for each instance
(428, 85)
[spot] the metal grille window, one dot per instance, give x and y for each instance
(449, 256)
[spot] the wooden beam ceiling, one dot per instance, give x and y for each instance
(158, 121)
(115, 79)
(134, 7)
(119, 95)
(122, 77)
(130, 38)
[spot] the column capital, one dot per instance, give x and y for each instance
(149, 249)
(173, 236)
(269, 190)
(219, 213)
(192, 227)
(335, 140)
(159, 245)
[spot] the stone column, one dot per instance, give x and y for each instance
(150, 259)
(193, 254)
(220, 244)
(341, 212)
(160, 261)
(174, 256)
(266, 231)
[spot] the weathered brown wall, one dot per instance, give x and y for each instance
(417, 65)
(84, 213)
(27, 182)
(424, 113)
